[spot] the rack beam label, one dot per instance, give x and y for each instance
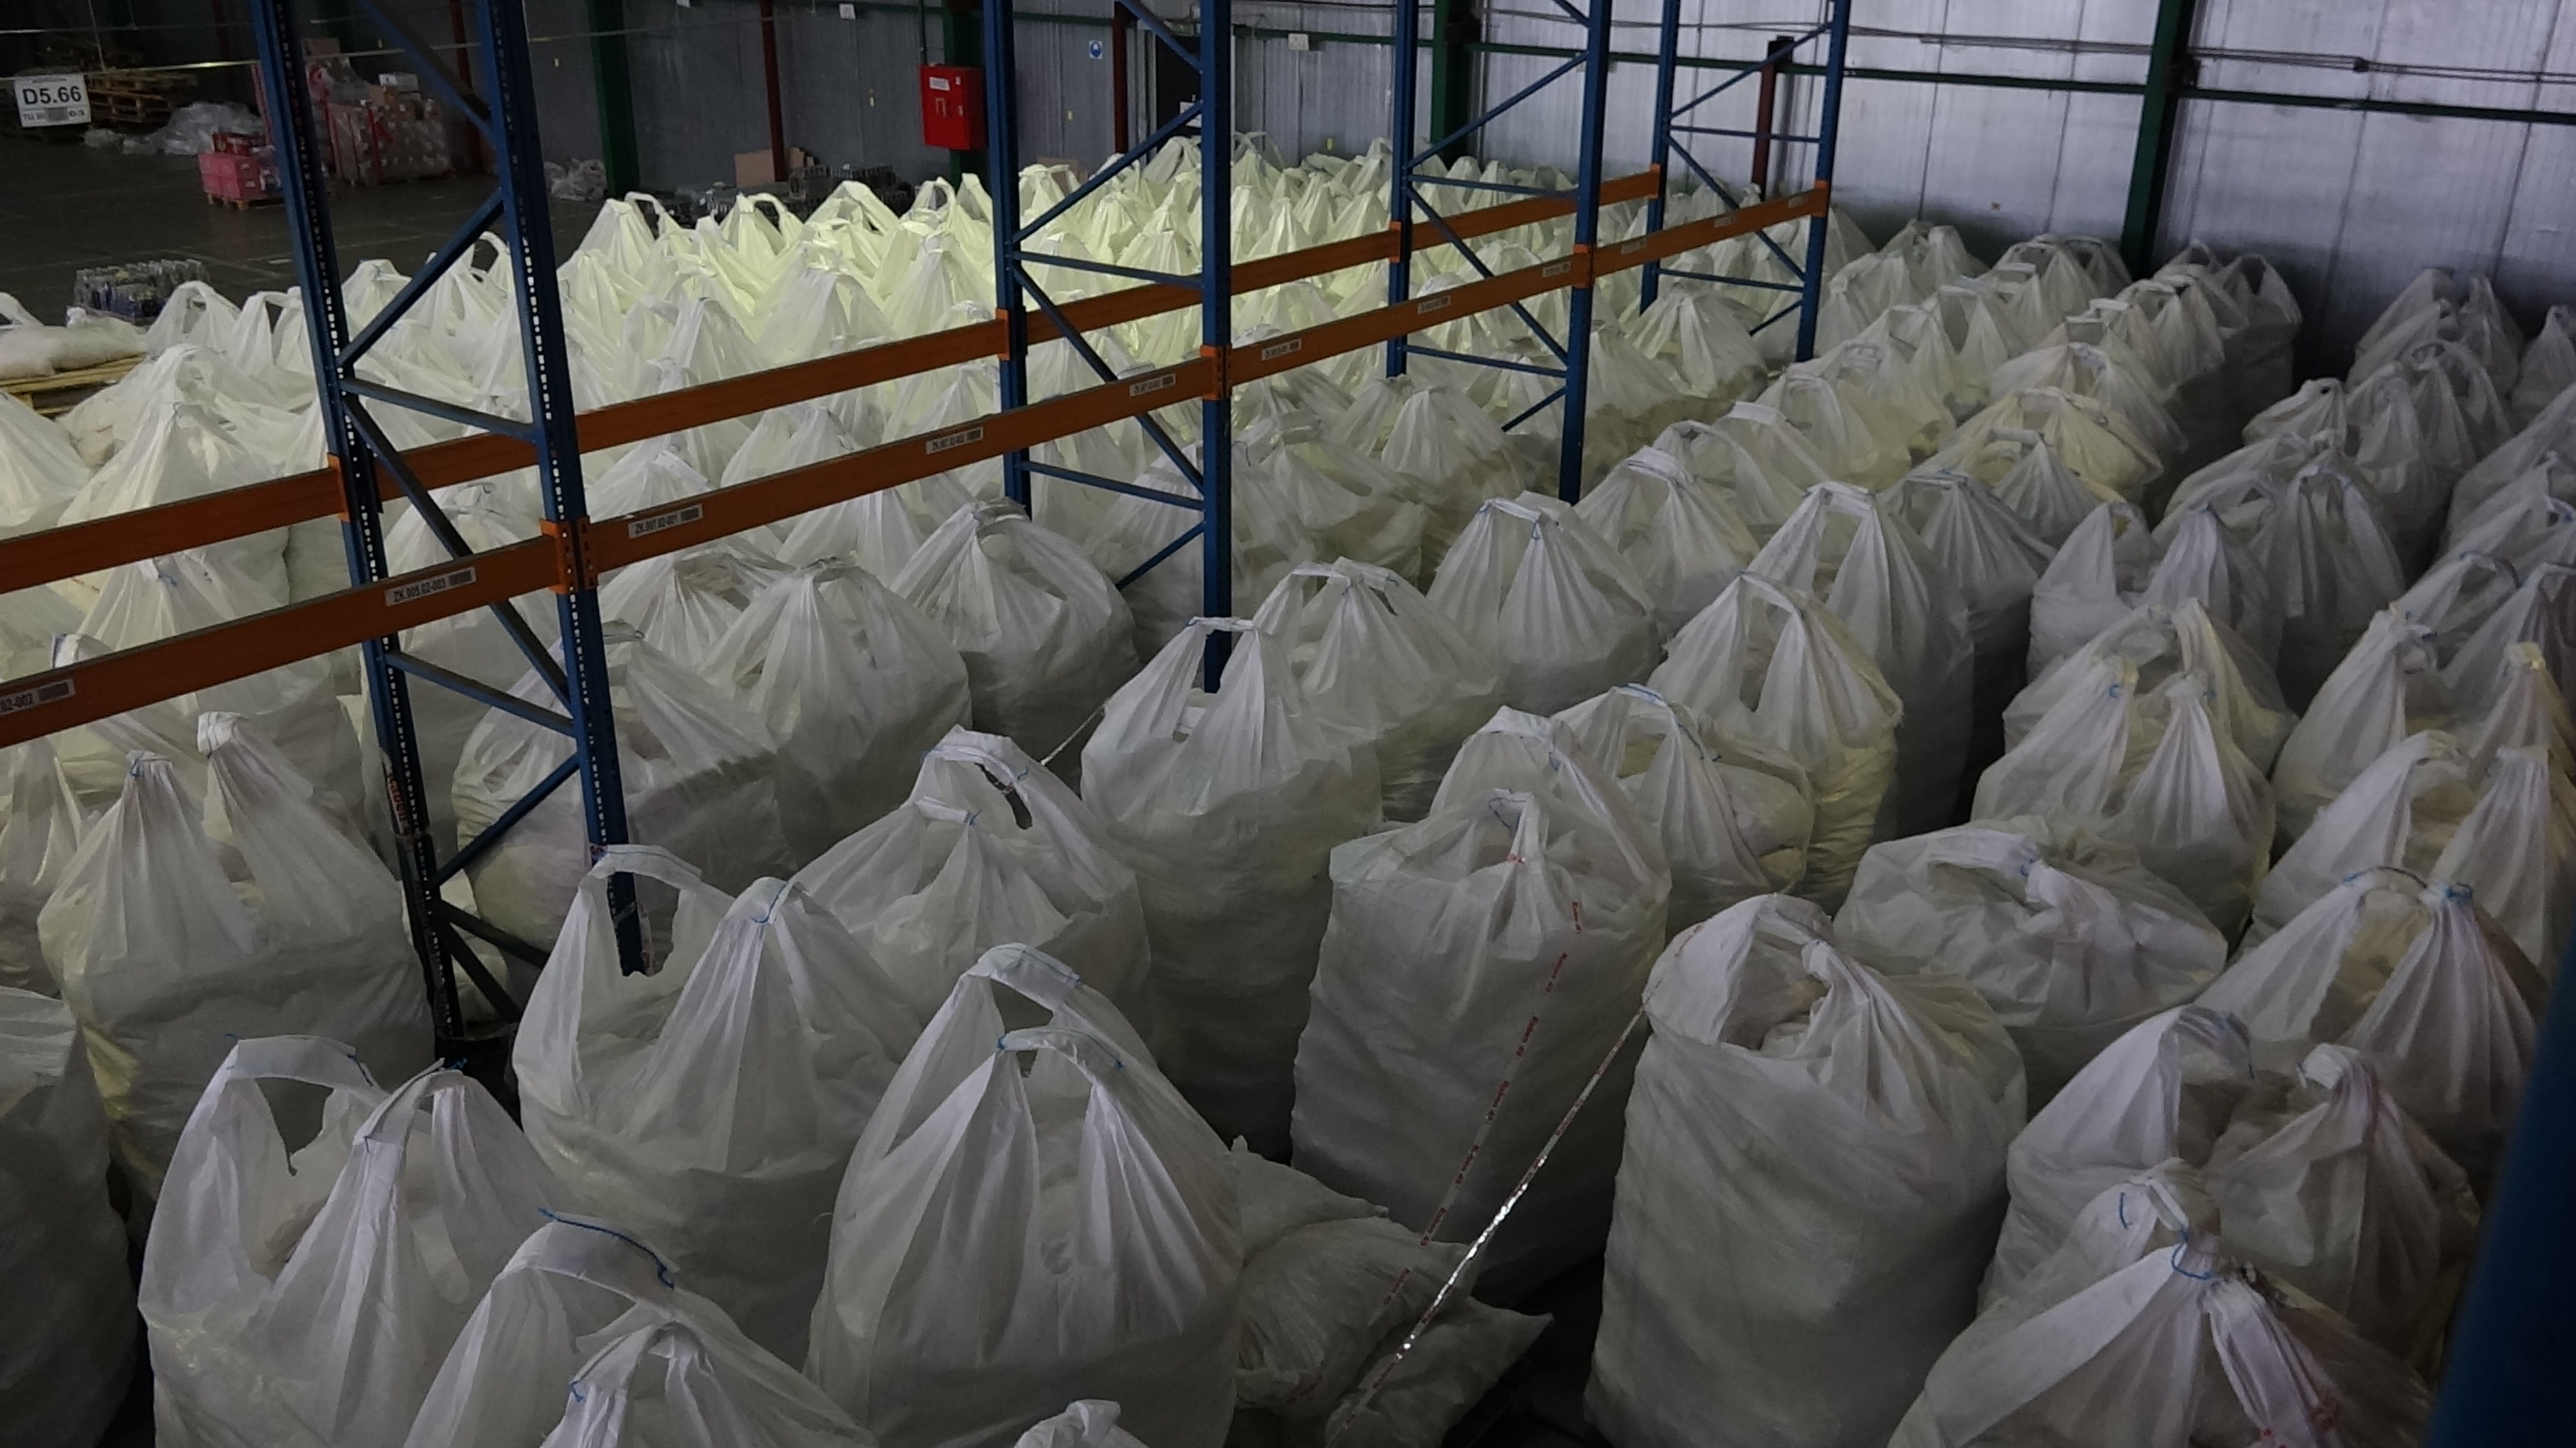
(1154, 384)
(673, 518)
(1428, 305)
(402, 593)
(52, 691)
(960, 438)
(1277, 350)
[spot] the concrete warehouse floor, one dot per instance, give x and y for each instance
(65, 206)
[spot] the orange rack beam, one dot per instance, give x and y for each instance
(63, 698)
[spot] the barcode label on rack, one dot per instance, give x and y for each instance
(1428, 305)
(1157, 383)
(400, 594)
(1556, 269)
(53, 691)
(1631, 248)
(645, 527)
(959, 438)
(1277, 350)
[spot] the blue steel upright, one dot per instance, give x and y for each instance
(1408, 208)
(517, 211)
(1015, 290)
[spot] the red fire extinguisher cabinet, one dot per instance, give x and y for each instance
(952, 107)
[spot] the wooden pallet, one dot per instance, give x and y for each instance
(242, 203)
(60, 393)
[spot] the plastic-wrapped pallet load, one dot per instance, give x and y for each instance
(1771, 662)
(1491, 953)
(1786, 1082)
(2145, 1329)
(163, 958)
(2417, 978)
(1228, 808)
(2069, 938)
(1375, 658)
(711, 1105)
(307, 1296)
(971, 1293)
(1868, 568)
(1681, 535)
(853, 684)
(1732, 812)
(586, 1338)
(991, 849)
(1532, 585)
(700, 775)
(41, 825)
(1045, 636)
(67, 1342)
(2503, 824)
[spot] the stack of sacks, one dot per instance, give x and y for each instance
(309, 1298)
(1771, 662)
(991, 849)
(2419, 980)
(67, 1346)
(1844, 547)
(1379, 661)
(700, 774)
(189, 918)
(1227, 808)
(2146, 1316)
(711, 1105)
(2156, 735)
(1478, 966)
(1330, 1290)
(1785, 1081)
(1534, 587)
(2068, 937)
(2325, 1179)
(971, 1293)
(1732, 812)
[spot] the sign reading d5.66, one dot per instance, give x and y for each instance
(51, 100)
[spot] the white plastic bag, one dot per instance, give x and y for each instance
(1091, 1423)
(1681, 535)
(40, 470)
(1375, 658)
(990, 850)
(586, 1340)
(1417, 1399)
(1045, 636)
(1785, 1082)
(1873, 573)
(1533, 586)
(67, 1341)
(1227, 809)
(1772, 662)
(40, 831)
(2069, 938)
(970, 1293)
(2162, 643)
(1732, 812)
(699, 771)
(164, 959)
(711, 1104)
(2099, 573)
(308, 1296)
(2388, 687)
(853, 684)
(1479, 966)
(2419, 980)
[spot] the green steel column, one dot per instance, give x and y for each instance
(2168, 76)
(616, 96)
(1454, 33)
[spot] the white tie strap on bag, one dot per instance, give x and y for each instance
(308, 1298)
(2422, 982)
(1377, 659)
(67, 1340)
(853, 684)
(1732, 812)
(1786, 1082)
(1034, 1216)
(2068, 937)
(1228, 809)
(1479, 965)
(2116, 1346)
(711, 1104)
(165, 959)
(1532, 585)
(1770, 661)
(586, 1341)
(1045, 636)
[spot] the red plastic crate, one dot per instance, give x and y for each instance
(239, 179)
